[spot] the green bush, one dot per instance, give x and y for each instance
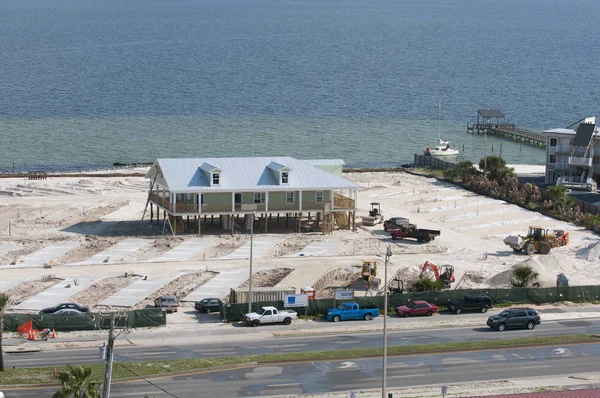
(426, 285)
(523, 276)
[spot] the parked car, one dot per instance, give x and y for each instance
(270, 315)
(470, 303)
(74, 306)
(167, 303)
(351, 311)
(514, 318)
(208, 305)
(68, 311)
(416, 308)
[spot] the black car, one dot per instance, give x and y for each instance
(62, 306)
(470, 302)
(514, 318)
(394, 223)
(208, 305)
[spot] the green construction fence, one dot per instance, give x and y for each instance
(528, 296)
(90, 321)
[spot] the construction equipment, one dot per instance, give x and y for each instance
(538, 240)
(446, 276)
(368, 270)
(374, 217)
(368, 277)
(396, 286)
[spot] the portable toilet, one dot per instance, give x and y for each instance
(309, 291)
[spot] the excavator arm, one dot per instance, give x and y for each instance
(431, 266)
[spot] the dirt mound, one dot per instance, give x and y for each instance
(590, 253)
(335, 279)
(291, 245)
(224, 246)
(268, 278)
(547, 266)
(25, 290)
(102, 290)
(178, 288)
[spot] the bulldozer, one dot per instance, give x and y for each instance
(368, 277)
(446, 275)
(538, 239)
(375, 216)
(368, 269)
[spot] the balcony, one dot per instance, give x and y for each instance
(563, 149)
(580, 161)
(187, 208)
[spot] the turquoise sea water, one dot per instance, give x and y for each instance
(86, 84)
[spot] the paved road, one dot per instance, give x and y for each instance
(294, 344)
(330, 376)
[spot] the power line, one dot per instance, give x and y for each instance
(146, 380)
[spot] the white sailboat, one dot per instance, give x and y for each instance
(443, 147)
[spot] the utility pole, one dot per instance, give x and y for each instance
(109, 358)
(250, 276)
(388, 254)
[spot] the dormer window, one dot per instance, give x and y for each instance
(285, 176)
(216, 178)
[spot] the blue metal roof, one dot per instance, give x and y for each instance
(247, 174)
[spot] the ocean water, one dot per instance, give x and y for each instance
(86, 84)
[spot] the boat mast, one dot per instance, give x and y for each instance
(439, 113)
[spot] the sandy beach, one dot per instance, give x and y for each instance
(96, 213)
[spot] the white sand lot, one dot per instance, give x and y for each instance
(43, 212)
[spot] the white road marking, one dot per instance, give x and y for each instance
(535, 367)
(405, 376)
(151, 353)
(284, 385)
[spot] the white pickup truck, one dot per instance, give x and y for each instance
(270, 315)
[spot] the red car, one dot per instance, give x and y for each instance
(416, 308)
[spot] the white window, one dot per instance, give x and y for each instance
(319, 196)
(259, 197)
(215, 179)
(289, 197)
(553, 141)
(285, 177)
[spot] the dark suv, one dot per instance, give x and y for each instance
(514, 318)
(470, 302)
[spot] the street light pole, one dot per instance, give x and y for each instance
(388, 254)
(250, 276)
(109, 358)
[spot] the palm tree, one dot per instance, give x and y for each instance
(77, 383)
(3, 303)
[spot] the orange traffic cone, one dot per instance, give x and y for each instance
(31, 334)
(54, 373)
(53, 335)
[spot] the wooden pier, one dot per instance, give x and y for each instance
(502, 129)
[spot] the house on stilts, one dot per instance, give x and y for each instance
(237, 190)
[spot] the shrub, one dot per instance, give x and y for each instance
(523, 276)
(426, 285)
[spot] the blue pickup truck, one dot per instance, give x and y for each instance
(350, 311)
